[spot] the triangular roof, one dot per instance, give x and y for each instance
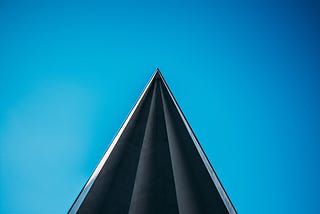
(154, 164)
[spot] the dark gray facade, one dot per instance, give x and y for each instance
(154, 164)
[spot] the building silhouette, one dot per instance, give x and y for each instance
(154, 164)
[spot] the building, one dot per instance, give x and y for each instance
(154, 164)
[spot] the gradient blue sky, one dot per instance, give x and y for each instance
(245, 74)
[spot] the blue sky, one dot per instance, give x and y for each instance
(246, 75)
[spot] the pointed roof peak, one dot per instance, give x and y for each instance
(157, 71)
(157, 74)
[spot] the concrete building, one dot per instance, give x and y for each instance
(154, 164)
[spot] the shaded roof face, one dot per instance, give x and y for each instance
(154, 164)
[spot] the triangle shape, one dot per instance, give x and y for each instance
(154, 164)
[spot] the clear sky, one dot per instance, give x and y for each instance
(246, 76)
